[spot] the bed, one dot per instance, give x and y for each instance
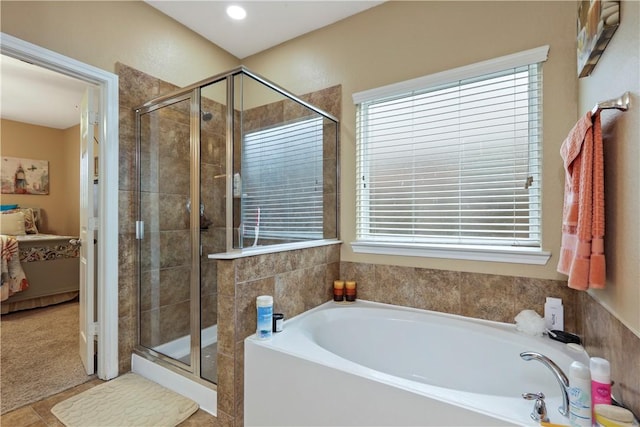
(51, 266)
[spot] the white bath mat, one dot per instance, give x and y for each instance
(129, 400)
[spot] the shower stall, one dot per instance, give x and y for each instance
(229, 165)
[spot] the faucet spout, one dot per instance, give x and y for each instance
(562, 379)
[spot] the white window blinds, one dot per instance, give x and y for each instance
(455, 163)
(283, 182)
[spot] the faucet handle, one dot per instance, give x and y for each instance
(539, 412)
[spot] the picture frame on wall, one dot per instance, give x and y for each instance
(597, 22)
(24, 176)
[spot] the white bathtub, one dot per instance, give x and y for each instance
(378, 364)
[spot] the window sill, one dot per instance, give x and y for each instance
(516, 255)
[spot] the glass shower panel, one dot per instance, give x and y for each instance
(213, 125)
(288, 185)
(165, 248)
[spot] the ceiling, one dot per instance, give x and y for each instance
(268, 23)
(34, 95)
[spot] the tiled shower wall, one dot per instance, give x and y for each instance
(165, 298)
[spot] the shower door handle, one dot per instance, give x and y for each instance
(189, 207)
(139, 230)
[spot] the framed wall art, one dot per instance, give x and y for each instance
(24, 176)
(597, 21)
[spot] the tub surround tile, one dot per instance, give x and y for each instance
(226, 384)
(363, 275)
(626, 365)
(488, 297)
(333, 253)
(255, 267)
(531, 294)
(239, 374)
(287, 261)
(438, 290)
(605, 336)
(290, 292)
(225, 419)
(245, 313)
(226, 278)
(298, 280)
(330, 274)
(226, 325)
(395, 284)
(485, 296)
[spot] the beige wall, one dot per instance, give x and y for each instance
(61, 148)
(403, 40)
(102, 33)
(618, 71)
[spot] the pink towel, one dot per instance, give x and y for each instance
(582, 250)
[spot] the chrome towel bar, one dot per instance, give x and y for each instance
(621, 103)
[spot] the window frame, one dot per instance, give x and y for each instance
(487, 252)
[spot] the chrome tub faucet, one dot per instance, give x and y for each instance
(562, 379)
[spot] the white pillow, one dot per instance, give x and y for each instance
(12, 224)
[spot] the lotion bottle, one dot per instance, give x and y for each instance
(600, 381)
(264, 305)
(579, 395)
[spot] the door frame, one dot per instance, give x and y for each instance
(107, 246)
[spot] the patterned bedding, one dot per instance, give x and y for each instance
(13, 279)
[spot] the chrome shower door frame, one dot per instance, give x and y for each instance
(193, 95)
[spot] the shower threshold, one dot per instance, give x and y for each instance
(180, 349)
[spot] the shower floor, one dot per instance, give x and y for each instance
(208, 362)
(179, 349)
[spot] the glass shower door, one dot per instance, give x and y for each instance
(164, 234)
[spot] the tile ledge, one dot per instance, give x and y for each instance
(260, 250)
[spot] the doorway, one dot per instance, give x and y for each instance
(105, 328)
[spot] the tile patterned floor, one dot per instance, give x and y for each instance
(39, 414)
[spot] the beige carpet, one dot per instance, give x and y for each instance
(39, 354)
(129, 400)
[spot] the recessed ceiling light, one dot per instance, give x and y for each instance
(236, 12)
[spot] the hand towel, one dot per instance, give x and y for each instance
(582, 250)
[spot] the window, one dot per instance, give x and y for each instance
(283, 182)
(453, 161)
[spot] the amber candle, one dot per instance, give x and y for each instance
(350, 291)
(338, 290)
